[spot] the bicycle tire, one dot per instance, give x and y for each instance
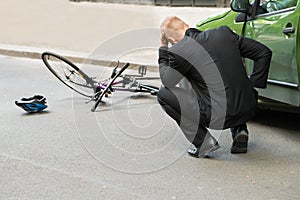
(68, 73)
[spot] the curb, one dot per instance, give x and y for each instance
(72, 56)
(22, 54)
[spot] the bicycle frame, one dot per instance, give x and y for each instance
(73, 76)
(134, 86)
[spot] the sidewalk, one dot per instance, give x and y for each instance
(77, 29)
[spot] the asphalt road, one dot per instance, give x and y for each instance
(129, 149)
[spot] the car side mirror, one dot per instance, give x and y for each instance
(242, 6)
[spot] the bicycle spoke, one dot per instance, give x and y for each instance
(69, 74)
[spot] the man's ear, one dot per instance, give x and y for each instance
(172, 40)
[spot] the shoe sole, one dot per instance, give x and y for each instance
(240, 144)
(205, 154)
(193, 155)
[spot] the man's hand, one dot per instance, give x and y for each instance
(163, 39)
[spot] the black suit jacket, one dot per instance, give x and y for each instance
(212, 62)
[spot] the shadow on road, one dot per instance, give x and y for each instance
(44, 112)
(288, 121)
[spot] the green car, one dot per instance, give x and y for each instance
(274, 23)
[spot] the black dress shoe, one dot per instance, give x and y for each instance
(209, 145)
(240, 142)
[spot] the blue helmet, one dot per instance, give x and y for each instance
(33, 104)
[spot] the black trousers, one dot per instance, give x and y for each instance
(182, 105)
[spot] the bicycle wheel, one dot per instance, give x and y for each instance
(69, 74)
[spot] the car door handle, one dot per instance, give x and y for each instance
(288, 30)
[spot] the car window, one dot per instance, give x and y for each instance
(270, 6)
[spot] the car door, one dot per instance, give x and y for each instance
(276, 26)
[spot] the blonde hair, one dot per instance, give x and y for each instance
(173, 26)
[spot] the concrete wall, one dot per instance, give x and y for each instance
(210, 3)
